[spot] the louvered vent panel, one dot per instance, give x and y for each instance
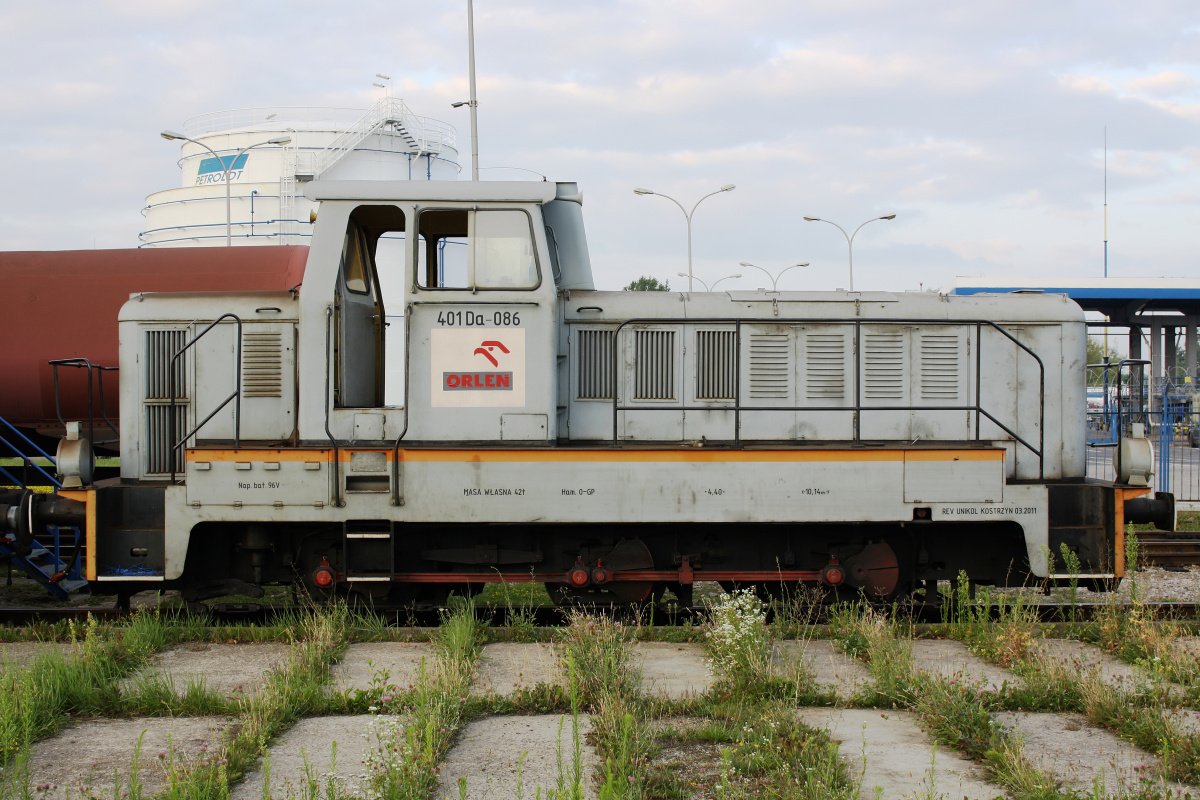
(769, 365)
(825, 366)
(595, 365)
(884, 366)
(939, 366)
(262, 364)
(160, 346)
(716, 365)
(158, 437)
(654, 365)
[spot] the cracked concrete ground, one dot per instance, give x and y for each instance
(228, 669)
(894, 759)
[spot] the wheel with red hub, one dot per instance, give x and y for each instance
(593, 584)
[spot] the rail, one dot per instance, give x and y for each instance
(235, 396)
(92, 369)
(1123, 414)
(858, 408)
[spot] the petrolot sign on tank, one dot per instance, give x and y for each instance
(212, 170)
(476, 367)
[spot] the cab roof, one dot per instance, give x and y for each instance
(435, 191)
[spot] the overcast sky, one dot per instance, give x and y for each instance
(980, 125)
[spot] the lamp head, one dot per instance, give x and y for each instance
(888, 216)
(682, 274)
(383, 77)
(637, 190)
(280, 140)
(812, 219)
(459, 103)
(745, 264)
(729, 187)
(736, 275)
(801, 264)
(172, 135)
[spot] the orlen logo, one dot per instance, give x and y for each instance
(481, 380)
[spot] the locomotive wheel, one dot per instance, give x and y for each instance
(874, 570)
(627, 554)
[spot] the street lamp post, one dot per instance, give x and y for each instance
(774, 278)
(729, 187)
(707, 288)
(227, 168)
(850, 238)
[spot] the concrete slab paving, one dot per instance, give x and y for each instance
(1090, 659)
(893, 758)
(832, 669)
(951, 659)
(672, 670)
(505, 667)
(1185, 720)
(1079, 755)
(88, 754)
(229, 669)
(1188, 644)
(21, 655)
(364, 663)
(306, 752)
(490, 752)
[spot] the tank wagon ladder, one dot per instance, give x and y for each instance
(41, 556)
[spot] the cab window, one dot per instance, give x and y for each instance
(487, 249)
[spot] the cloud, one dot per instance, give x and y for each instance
(1167, 82)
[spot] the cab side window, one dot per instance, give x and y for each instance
(487, 249)
(354, 260)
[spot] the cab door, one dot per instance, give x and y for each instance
(359, 311)
(481, 338)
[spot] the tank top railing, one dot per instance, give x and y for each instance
(858, 408)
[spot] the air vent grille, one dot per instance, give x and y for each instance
(884, 366)
(159, 460)
(769, 366)
(595, 365)
(939, 367)
(716, 365)
(160, 346)
(825, 366)
(654, 365)
(262, 364)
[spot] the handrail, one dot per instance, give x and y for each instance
(99, 371)
(1141, 397)
(237, 392)
(857, 408)
(329, 368)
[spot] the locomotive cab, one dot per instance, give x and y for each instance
(479, 315)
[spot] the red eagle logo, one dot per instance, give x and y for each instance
(485, 349)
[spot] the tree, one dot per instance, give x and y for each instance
(1095, 355)
(648, 284)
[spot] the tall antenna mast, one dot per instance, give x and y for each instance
(473, 104)
(1105, 197)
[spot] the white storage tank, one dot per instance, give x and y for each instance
(266, 183)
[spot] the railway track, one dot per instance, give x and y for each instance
(1170, 548)
(554, 616)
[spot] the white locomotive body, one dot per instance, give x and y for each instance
(609, 444)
